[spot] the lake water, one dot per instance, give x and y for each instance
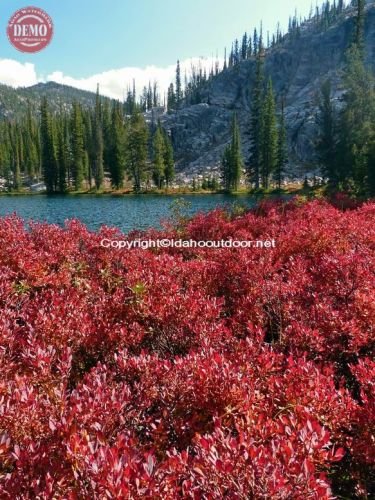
(125, 212)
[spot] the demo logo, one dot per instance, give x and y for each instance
(30, 29)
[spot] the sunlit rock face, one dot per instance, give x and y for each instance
(298, 69)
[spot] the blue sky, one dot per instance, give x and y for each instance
(93, 37)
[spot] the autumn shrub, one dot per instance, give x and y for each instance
(186, 372)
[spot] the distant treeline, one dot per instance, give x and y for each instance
(81, 147)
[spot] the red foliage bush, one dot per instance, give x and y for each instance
(190, 373)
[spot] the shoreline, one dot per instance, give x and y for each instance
(282, 192)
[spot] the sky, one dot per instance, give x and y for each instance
(110, 42)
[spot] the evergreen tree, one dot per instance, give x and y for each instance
(171, 99)
(214, 183)
(256, 125)
(232, 162)
(255, 42)
(16, 153)
(149, 97)
(178, 86)
(155, 102)
(282, 148)
(169, 172)
(359, 31)
(31, 139)
(244, 47)
(62, 155)
(236, 52)
(231, 58)
(236, 155)
(78, 150)
(98, 167)
(356, 122)
(48, 153)
(158, 158)
(249, 48)
(269, 137)
(357, 119)
(327, 147)
(88, 146)
(137, 146)
(117, 160)
(107, 139)
(226, 168)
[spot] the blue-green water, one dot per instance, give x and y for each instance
(125, 212)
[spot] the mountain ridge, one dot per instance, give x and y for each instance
(298, 69)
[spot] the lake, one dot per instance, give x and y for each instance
(125, 212)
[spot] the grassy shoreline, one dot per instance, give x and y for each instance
(173, 192)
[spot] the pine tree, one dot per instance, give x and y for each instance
(359, 31)
(357, 121)
(260, 40)
(98, 167)
(232, 162)
(282, 148)
(244, 47)
(357, 118)
(256, 123)
(106, 126)
(178, 86)
(149, 97)
(158, 158)
(171, 99)
(255, 42)
(231, 58)
(226, 168)
(117, 159)
(249, 48)
(16, 147)
(268, 137)
(62, 155)
(78, 150)
(169, 172)
(236, 52)
(236, 155)
(88, 146)
(31, 139)
(214, 183)
(327, 147)
(155, 102)
(48, 153)
(137, 147)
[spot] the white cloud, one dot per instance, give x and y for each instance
(16, 74)
(113, 83)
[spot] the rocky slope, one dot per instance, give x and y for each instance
(297, 69)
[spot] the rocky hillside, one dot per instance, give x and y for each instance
(297, 69)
